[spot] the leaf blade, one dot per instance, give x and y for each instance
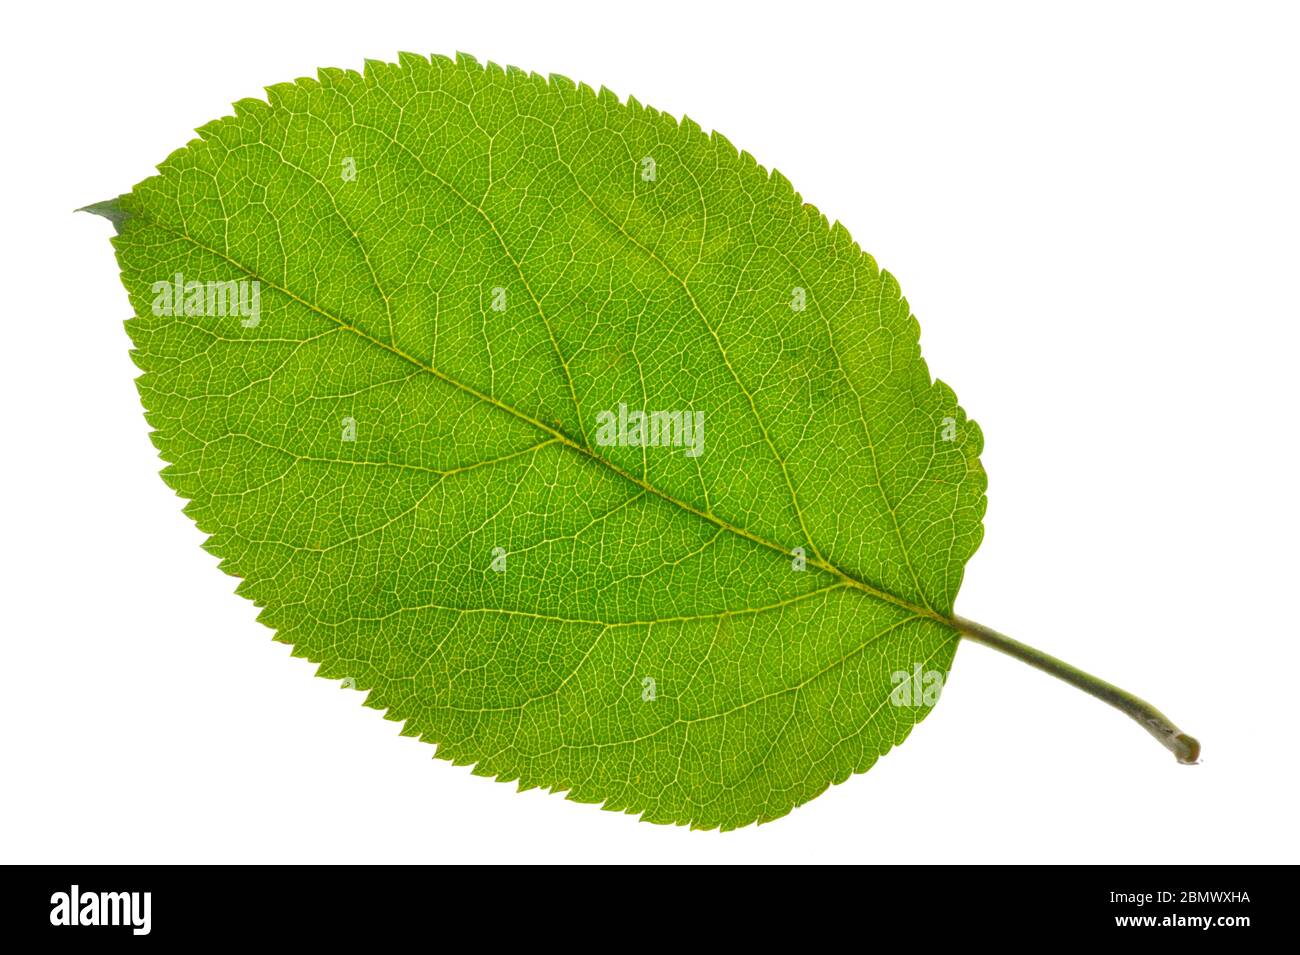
(620, 292)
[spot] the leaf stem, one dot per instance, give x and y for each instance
(1184, 747)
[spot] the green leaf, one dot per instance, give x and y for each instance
(450, 284)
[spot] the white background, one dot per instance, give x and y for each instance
(1094, 214)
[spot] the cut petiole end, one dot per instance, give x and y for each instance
(1188, 749)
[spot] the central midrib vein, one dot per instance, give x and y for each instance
(565, 440)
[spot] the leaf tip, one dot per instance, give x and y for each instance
(110, 209)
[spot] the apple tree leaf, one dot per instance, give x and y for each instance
(565, 431)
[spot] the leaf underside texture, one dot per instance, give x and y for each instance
(511, 256)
